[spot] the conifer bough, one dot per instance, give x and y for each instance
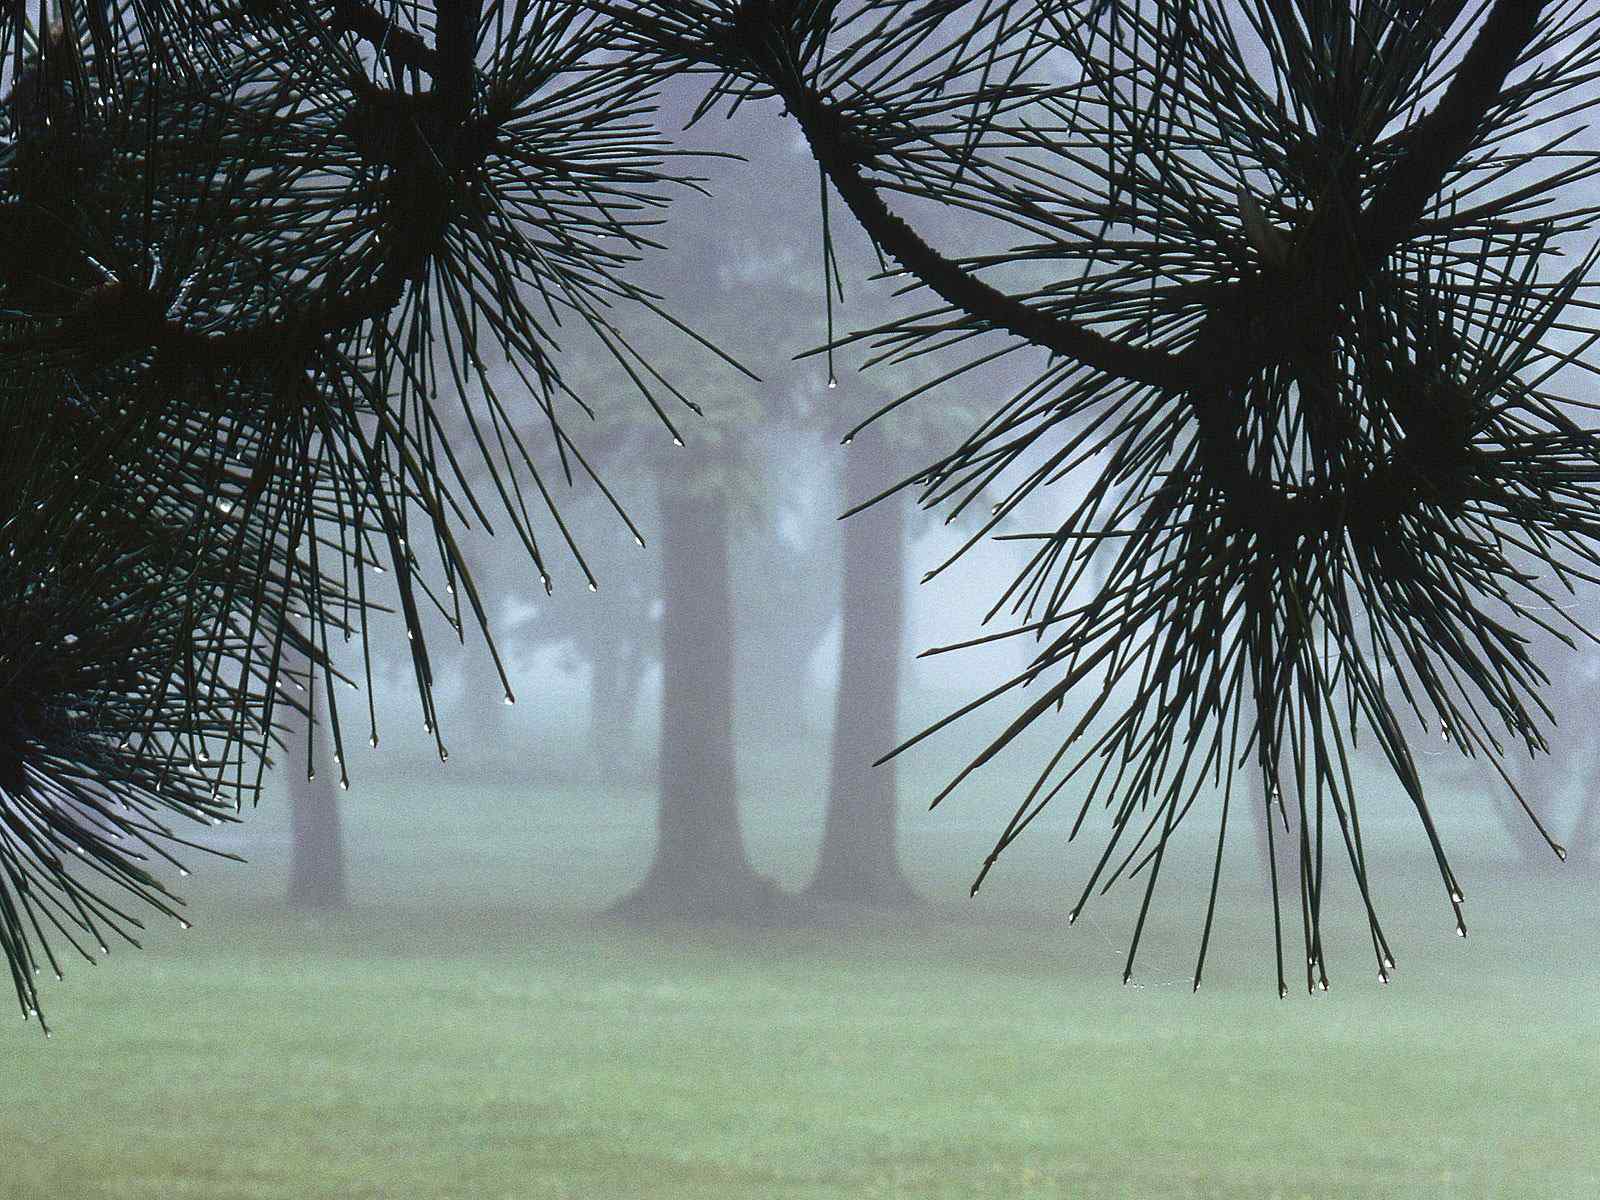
(247, 252)
(1304, 332)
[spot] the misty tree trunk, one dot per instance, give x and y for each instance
(700, 868)
(316, 861)
(858, 863)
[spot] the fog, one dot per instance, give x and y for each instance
(665, 927)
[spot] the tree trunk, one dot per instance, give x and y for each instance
(700, 870)
(316, 862)
(858, 863)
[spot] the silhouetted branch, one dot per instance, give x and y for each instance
(1436, 143)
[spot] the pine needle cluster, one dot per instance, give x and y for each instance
(248, 253)
(1296, 268)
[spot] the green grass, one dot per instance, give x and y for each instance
(468, 1032)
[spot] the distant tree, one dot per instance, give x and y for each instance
(783, 543)
(317, 875)
(313, 781)
(700, 867)
(711, 494)
(859, 862)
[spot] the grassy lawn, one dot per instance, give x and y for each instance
(469, 1032)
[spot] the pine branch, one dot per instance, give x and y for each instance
(1321, 438)
(1436, 143)
(403, 47)
(457, 41)
(841, 153)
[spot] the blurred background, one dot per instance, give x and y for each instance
(661, 929)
